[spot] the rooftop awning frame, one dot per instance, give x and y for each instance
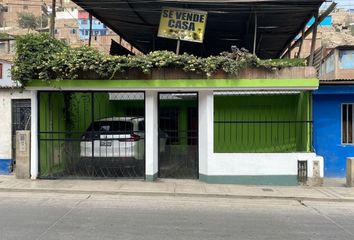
(230, 22)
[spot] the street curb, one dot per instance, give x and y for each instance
(167, 194)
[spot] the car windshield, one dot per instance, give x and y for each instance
(122, 127)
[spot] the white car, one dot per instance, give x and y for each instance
(116, 137)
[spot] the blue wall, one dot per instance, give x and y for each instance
(325, 22)
(5, 166)
(327, 127)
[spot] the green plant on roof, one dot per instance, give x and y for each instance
(41, 57)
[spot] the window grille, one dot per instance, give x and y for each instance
(302, 171)
(347, 123)
(261, 123)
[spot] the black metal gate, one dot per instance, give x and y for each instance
(21, 120)
(178, 135)
(92, 134)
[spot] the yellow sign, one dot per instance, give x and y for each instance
(182, 24)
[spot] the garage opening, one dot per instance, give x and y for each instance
(178, 135)
(92, 134)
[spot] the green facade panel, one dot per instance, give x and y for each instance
(262, 123)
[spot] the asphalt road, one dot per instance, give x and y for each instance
(80, 216)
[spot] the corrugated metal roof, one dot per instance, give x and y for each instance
(345, 47)
(337, 81)
(230, 22)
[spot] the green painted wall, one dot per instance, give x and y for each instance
(304, 113)
(52, 148)
(103, 108)
(241, 123)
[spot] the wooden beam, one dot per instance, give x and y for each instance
(255, 33)
(314, 38)
(309, 30)
(301, 43)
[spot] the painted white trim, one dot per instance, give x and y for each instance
(206, 131)
(6, 97)
(151, 133)
(34, 135)
(251, 164)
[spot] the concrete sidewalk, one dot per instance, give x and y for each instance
(171, 187)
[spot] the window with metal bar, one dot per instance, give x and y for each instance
(262, 123)
(347, 123)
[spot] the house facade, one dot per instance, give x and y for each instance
(249, 127)
(333, 111)
(245, 131)
(15, 109)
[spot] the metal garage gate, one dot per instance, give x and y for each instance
(92, 134)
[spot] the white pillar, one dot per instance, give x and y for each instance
(206, 131)
(151, 135)
(34, 135)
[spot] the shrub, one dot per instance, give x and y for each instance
(41, 57)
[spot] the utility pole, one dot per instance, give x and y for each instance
(255, 33)
(52, 19)
(90, 31)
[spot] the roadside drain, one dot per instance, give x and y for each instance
(267, 190)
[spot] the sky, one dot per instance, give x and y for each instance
(343, 3)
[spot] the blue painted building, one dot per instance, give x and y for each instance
(333, 111)
(98, 28)
(327, 21)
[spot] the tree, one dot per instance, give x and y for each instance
(27, 20)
